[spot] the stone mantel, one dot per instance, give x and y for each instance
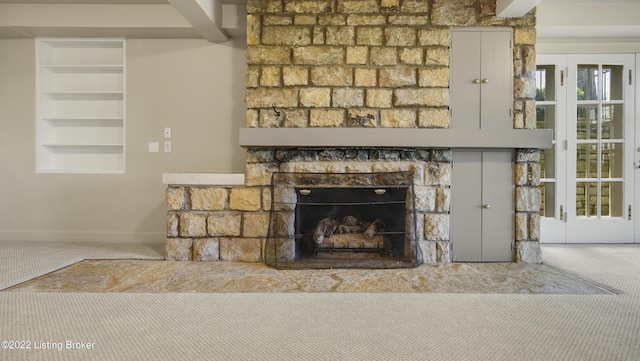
(213, 179)
(396, 137)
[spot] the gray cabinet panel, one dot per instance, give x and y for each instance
(482, 206)
(481, 83)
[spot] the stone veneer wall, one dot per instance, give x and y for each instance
(355, 63)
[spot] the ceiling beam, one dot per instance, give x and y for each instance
(514, 8)
(205, 16)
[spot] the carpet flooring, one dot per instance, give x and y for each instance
(340, 326)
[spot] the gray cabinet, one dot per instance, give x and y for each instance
(482, 206)
(481, 82)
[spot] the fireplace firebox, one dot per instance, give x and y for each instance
(336, 220)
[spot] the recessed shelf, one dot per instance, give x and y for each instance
(80, 105)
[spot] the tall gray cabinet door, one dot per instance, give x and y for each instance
(465, 70)
(496, 80)
(497, 206)
(482, 206)
(466, 213)
(481, 79)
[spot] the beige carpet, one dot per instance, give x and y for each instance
(341, 326)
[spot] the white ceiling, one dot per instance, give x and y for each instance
(573, 20)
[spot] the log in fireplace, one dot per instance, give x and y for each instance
(337, 220)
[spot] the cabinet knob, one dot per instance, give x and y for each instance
(486, 206)
(485, 81)
(476, 81)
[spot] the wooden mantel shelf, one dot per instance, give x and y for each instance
(396, 137)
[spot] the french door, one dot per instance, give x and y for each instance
(587, 178)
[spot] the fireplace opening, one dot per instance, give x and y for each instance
(335, 220)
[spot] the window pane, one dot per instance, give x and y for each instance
(548, 163)
(612, 154)
(612, 82)
(546, 117)
(587, 82)
(545, 83)
(586, 161)
(586, 199)
(612, 121)
(611, 202)
(587, 122)
(548, 196)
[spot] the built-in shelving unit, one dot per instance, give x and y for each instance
(80, 116)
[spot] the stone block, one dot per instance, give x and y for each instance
(206, 249)
(295, 75)
(443, 252)
(331, 76)
(425, 198)
(332, 19)
(434, 118)
(251, 118)
(434, 36)
(318, 55)
(394, 77)
(277, 19)
(270, 55)
(429, 252)
(437, 56)
(264, 6)
(411, 56)
(369, 20)
(267, 118)
(304, 19)
(176, 198)
(438, 174)
(245, 199)
(340, 35)
(528, 155)
(257, 174)
(379, 98)
(357, 55)
(443, 199)
(524, 35)
(266, 97)
(400, 36)
(308, 6)
(430, 97)
(208, 199)
(522, 224)
(315, 97)
(253, 29)
(520, 173)
(384, 56)
(434, 77)
(173, 221)
(371, 36)
(362, 117)
(178, 249)
(454, 13)
(224, 224)
(525, 87)
(527, 199)
(347, 97)
(270, 76)
(241, 249)
(366, 78)
(193, 224)
(397, 118)
(414, 6)
(255, 224)
(528, 252)
(326, 117)
(358, 6)
(252, 77)
(436, 227)
(296, 118)
(409, 20)
(534, 227)
(285, 198)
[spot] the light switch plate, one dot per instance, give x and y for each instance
(167, 132)
(167, 147)
(154, 147)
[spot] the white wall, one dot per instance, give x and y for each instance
(192, 86)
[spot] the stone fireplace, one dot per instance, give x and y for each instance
(356, 88)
